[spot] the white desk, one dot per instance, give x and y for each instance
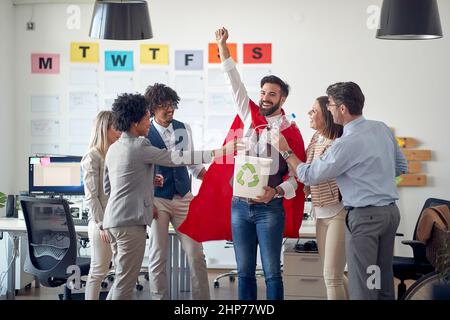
(308, 229)
(302, 272)
(18, 226)
(177, 268)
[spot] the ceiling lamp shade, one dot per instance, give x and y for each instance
(409, 20)
(121, 20)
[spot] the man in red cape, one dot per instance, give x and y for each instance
(209, 216)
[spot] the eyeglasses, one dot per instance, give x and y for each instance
(168, 105)
(331, 105)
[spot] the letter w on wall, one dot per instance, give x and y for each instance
(119, 61)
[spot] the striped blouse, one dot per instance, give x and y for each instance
(325, 195)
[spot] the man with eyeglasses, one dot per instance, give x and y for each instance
(365, 161)
(172, 196)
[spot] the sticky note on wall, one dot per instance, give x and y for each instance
(188, 60)
(119, 61)
(213, 52)
(45, 161)
(257, 53)
(45, 63)
(154, 54)
(84, 52)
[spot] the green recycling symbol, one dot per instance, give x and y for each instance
(240, 174)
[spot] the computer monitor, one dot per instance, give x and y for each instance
(55, 175)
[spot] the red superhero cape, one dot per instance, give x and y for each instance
(209, 216)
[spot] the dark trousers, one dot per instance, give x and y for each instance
(369, 244)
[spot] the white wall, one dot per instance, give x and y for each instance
(7, 106)
(315, 43)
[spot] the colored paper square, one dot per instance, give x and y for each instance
(44, 63)
(35, 160)
(45, 161)
(119, 61)
(213, 52)
(188, 60)
(84, 52)
(257, 53)
(154, 54)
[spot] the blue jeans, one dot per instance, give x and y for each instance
(254, 224)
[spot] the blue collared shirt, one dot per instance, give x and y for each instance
(365, 161)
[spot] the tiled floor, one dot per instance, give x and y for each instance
(227, 290)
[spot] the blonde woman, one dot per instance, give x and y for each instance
(103, 135)
(326, 203)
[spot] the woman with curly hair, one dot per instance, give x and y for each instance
(129, 173)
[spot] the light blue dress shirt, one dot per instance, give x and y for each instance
(365, 161)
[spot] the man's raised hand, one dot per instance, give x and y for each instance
(221, 36)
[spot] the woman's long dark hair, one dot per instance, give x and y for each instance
(332, 130)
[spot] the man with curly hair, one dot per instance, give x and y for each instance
(172, 196)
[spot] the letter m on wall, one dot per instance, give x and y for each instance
(45, 63)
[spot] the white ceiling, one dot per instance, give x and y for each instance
(21, 2)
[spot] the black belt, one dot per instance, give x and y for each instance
(252, 201)
(248, 200)
(350, 208)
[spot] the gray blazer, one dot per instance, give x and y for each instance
(96, 199)
(129, 174)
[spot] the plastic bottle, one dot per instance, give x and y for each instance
(284, 122)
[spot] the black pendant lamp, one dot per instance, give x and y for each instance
(409, 20)
(121, 20)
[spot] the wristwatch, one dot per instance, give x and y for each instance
(277, 193)
(286, 154)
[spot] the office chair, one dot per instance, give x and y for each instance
(52, 242)
(412, 268)
(434, 285)
(232, 274)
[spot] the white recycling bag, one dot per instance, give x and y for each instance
(251, 174)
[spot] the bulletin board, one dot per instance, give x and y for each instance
(96, 75)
